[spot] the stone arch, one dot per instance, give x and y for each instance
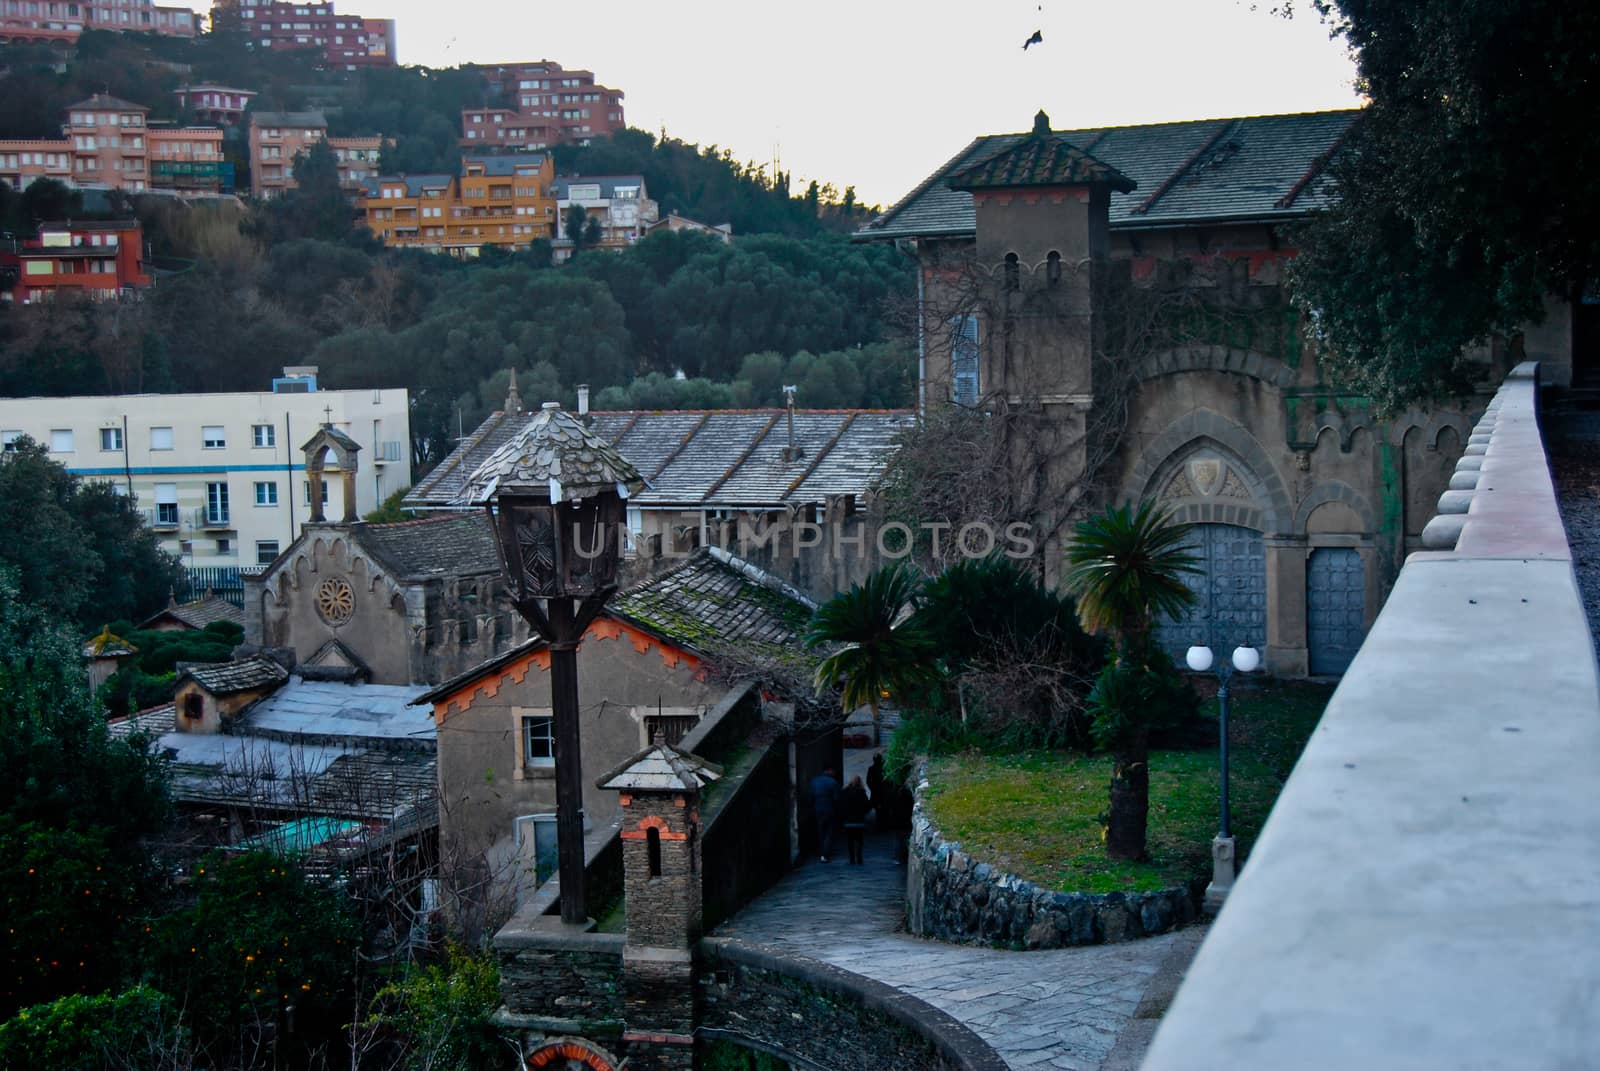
(1432, 423)
(1270, 511)
(1218, 359)
(1344, 425)
(1336, 491)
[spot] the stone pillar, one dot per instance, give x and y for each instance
(314, 478)
(661, 876)
(349, 497)
(1286, 654)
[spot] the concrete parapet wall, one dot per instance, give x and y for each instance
(1426, 892)
(952, 896)
(817, 1016)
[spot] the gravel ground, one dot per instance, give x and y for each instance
(1576, 468)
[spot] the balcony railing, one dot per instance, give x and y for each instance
(206, 517)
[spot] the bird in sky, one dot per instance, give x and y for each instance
(1036, 39)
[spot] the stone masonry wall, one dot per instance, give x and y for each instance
(801, 1009)
(953, 897)
(568, 983)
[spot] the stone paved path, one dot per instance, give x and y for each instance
(1060, 1009)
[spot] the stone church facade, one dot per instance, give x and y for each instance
(1122, 289)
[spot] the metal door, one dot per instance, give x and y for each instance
(1336, 602)
(1230, 593)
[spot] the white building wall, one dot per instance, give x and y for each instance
(100, 449)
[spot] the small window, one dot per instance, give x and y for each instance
(266, 493)
(60, 441)
(111, 438)
(194, 705)
(8, 440)
(652, 841)
(964, 360)
(266, 551)
(1052, 268)
(161, 438)
(224, 546)
(212, 437)
(1013, 272)
(263, 435)
(538, 740)
(305, 488)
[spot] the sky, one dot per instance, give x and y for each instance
(879, 93)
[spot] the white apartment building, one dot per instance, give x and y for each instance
(221, 477)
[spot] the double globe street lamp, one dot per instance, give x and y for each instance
(1223, 868)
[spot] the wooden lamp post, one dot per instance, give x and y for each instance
(555, 496)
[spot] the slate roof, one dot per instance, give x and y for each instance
(710, 600)
(608, 184)
(661, 768)
(199, 613)
(713, 599)
(333, 712)
(229, 678)
(310, 120)
(415, 184)
(152, 722)
(502, 164)
(711, 459)
(1254, 168)
(552, 454)
(449, 544)
(1040, 159)
(106, 100)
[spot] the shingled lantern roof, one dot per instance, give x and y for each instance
(662, 768)
(554, 456)
(1040, 159)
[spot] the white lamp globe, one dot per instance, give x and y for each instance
(1246, 659)
(1199, 658)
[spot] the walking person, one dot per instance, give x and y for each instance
(875, 787)
(853, 816)
(825, 805)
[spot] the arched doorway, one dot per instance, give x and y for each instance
(1230, 593)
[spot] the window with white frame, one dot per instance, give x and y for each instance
(964, 385)
(216, 503)
(61, 440)
(161, 438)
(305, 496)
(213, 437)
(166, 503)
(111, 438)
(266, 493)
(266, 551)
(538, 738)
(263, 435)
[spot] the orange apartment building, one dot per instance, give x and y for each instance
(549, 106)
(276, 138)
(503, 201)
(109, 145)
(102, 259)
(61, 21)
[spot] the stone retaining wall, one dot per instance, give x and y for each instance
(820, 1017)
(950, 896)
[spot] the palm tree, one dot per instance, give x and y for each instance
(1127, 567)
(878, 654)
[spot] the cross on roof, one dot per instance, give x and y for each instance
(327, 412)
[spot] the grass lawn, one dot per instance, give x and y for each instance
(1040, 814)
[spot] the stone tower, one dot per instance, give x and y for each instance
(330, 440)
(660, 801)
(1036, 292)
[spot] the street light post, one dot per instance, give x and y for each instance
(1223, 865)
(555, 498)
